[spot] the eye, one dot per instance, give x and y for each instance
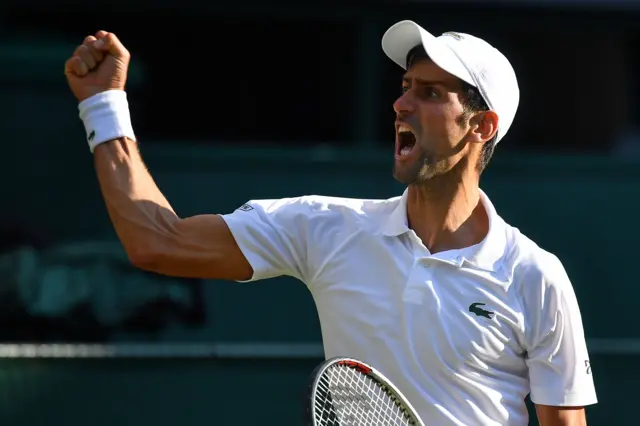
(431, 93)
(405, 89)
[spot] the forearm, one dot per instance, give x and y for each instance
(141, 215)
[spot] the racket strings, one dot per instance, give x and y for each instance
(346, 397)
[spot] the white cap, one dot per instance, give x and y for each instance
(469, 58)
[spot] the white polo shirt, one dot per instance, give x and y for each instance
(464, 334)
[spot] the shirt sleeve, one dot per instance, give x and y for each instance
(557, 356)
(272, 235)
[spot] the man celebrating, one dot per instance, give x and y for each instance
(459, 309)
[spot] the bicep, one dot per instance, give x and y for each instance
(560, 416)
(197, 247)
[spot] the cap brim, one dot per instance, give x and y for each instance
(398, 40)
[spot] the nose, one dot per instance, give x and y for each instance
(404, 104)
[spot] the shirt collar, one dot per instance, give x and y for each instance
(485, 255)
(397, 222)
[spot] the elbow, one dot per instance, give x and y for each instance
(144, 254)
(149, 250)
(142, 258)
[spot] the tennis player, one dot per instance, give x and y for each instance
(464, 313)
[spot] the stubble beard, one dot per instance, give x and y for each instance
(421, 171)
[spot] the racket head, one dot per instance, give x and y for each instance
(348, 392)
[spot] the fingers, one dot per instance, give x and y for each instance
(109, 43)
(92, 52)
(75, 65)
(84, 53)
(90, 41)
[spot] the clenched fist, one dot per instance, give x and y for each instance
(99, 64)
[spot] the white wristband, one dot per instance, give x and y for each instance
(106, 117)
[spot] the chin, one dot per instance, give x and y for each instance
(404, 175)
(415, 175)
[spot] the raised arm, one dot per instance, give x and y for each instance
(153, 235)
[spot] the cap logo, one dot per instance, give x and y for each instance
(454, 35)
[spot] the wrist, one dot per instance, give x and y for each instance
(106, 117)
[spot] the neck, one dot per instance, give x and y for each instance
(446, 212)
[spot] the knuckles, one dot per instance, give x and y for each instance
(94, 51)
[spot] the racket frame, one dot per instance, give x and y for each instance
(363, 368)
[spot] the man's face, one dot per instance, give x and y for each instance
(430, 126)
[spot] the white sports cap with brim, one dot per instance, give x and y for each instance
(469, 58)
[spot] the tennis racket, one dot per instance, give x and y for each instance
(348, 392)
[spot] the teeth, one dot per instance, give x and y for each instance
(406, 150)
(403, 129)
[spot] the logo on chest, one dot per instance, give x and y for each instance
(475, 308)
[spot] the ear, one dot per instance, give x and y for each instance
(484, 126)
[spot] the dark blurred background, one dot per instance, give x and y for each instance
(235, 100)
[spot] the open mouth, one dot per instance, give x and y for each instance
(406, 141)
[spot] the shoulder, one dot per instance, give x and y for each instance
(534, 269)
(324, 209)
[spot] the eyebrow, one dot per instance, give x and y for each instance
(424, 82)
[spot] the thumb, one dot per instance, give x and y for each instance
(109, 43)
